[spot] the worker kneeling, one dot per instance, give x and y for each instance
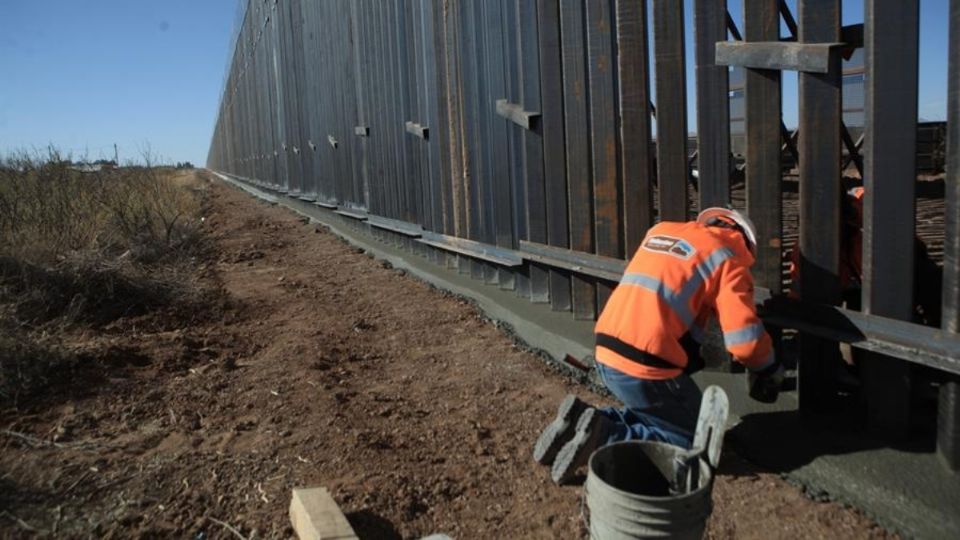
(648, 339)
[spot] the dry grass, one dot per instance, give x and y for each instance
(88, 248)
(49, 210)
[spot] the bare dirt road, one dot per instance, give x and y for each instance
(322, 367)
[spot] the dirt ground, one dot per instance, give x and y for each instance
(323, 368)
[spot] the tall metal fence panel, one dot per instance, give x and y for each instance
(532, 143)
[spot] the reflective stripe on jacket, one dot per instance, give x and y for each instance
(682, 274)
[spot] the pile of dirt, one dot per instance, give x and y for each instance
(325, 368)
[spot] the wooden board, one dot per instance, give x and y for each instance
(315, 516)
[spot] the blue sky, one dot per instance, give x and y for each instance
(85, 74)
(931, 102)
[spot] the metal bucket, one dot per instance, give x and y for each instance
(643, 489)
(628, 493)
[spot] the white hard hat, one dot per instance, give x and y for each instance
(741, 220)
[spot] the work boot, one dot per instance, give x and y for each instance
(558, 432)
(592, 431)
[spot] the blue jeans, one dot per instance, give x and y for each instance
(664, 411)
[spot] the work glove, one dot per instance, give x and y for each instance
(764, 384)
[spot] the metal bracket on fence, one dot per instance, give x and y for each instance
(776, 55)
(333, 142)
(515, 113)
(412, 230)
(606, 268)
(352, 213)
(471, 248)
(312, 145)
(417, 130)
(361, 131)
(296, 150)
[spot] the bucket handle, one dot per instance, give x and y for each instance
(707, 440)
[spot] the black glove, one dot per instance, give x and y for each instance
(764, 384)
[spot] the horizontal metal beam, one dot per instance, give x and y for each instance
(405, 228)
(900, 339)
(471, 248)
(417, 130)
(606, 268)
(516, 114)
(806, 57)
(351, 213)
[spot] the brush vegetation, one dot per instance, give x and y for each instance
(86, 246)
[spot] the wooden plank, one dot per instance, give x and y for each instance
(820, 189)
(890, 89)
(315, 516)
(713, 107)
(762, 119)
(778, 55)
(948, 416)
(554, 152)
(672, 169)
(576, 124)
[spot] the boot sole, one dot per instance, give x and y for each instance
(585, 440)
(560, 430)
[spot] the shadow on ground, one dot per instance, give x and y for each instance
(370, 525)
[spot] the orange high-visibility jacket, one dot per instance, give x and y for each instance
(851, 248)
(682, 274)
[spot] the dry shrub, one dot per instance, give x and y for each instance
(93, 246)
(49, 209)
